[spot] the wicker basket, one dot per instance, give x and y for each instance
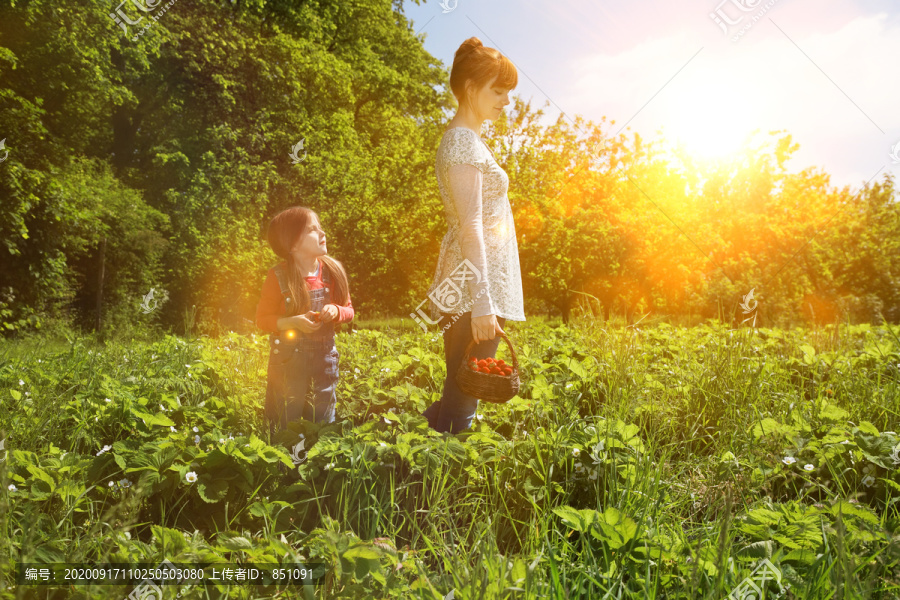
(489, 386)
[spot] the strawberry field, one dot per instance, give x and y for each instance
(635, 462)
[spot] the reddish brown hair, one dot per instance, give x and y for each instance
(284, 229)
(476, 63)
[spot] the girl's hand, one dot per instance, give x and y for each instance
(485, 327)
(329, 313)
(306, 322)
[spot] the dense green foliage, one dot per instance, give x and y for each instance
(651, 462)
(156, 160)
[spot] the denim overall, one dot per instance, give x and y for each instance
(299, 359)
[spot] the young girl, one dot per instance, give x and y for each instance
(304, 300)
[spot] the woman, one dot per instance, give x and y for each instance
(477, 285)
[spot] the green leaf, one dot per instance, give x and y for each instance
(42, 475)
(866, 427)
(362, 550)
(761, 549)
(237, 542)
(807, 557)
(830, 412)
(856, 510)
(212, 491)
(579, 520)
(151, 420)
(615, 528)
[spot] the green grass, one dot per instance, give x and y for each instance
(648, 461)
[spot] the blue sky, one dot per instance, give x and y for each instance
(826, 71)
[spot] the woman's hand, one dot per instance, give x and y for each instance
(329, 313)
(305, 322)
(485, 327)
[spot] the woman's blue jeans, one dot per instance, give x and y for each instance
(455, 410)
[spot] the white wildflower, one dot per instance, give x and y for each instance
(576, 451)
(12, 488)
(191, 477)
(788, 460)
(808, 467)
(106, 448)
(868, 481)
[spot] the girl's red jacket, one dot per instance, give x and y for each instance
(271, 303)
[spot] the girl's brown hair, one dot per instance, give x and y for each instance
(476, 63)
(284, 229)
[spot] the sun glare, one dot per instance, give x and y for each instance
(711, 119)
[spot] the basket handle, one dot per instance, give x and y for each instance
(508, 343)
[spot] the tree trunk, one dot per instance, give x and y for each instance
(99, 322)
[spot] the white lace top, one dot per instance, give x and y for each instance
(479, 255)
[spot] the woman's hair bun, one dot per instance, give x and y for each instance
(470, 44)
